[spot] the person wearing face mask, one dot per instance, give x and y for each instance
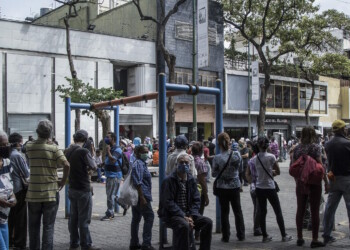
(113, 173)
(179, 207)
(7, 197)
(19, 175)
(141, 179)
(228, 187)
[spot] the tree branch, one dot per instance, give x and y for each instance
(172, 11)
(142, 16)
(266, 11)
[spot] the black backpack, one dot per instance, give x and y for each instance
(125, 165)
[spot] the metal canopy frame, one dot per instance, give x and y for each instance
(186, 89)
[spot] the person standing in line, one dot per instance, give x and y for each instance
(43, 192)
(311, 193)
(7, 197)
(20, 175)
(266, 166)
(338, 155)
(274, 147)
(81, 162)
(202, 172)
(244, 150)
(228, 187)
(113, 173)
(99, 164)
(141, 179)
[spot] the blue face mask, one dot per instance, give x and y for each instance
(183, 168)
(107, 141)
(144, 157)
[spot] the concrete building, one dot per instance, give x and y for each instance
(34, 62)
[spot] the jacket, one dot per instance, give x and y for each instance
(338, 155)
(170, 189)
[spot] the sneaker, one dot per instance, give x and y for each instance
(257, 233)
(94, 248)
(329, 239)
(107, 218)
(287, 238)
(315, 244)
(135, 247)
(225, 240)
(147, 248)
(300, 242)
(267, 239)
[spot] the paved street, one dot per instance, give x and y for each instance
(116, 234)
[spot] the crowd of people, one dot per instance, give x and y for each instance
(29, 186)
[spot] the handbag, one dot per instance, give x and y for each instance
(128, 194)
(276, 185)
(215, 189)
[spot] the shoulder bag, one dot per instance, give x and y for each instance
(276, 185)
(215, 189)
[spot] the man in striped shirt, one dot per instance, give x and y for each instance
(43, 192)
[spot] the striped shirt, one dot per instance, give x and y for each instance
(181, 199)
(44, 158)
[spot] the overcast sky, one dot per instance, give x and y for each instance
(20, 9)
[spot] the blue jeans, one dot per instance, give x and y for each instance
(99, 174)
(137, 213)
(4, 237)
(340, 187)
(48, 211)
(112, 187)
(80, 218)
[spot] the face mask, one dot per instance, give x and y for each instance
(107, 141)
(183, 168)
(144, 157)
(5, 152)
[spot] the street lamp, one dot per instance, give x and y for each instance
(249, 93)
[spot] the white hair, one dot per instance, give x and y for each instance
(182, 155)
(3, 134)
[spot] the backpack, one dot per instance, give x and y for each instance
(125, 165)
(307, 170)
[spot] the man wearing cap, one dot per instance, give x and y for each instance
(43, 192)
(338, 154)
(81, 162)
(181, 144)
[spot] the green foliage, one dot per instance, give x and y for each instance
(81, 92)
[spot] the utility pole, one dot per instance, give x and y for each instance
(249, 94)
(194, 71)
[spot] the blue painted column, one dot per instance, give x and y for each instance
(116, 131)
(162, 143)
(219, 129)
(67, 139)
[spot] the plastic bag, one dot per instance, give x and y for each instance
(128, 193)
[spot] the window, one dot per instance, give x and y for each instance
(25, 124)
(270, 96)
(278, 95)
(205, 78)
(286, 95)
(294, 95)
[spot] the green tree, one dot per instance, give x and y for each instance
(81, 92)
(277, 28)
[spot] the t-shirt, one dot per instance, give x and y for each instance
(114, 170)
(263, 180)
(6, 188)
(156, 157)
(81, 162)
(44, 157)
(244, 151)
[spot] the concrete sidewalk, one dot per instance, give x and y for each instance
(115, 234)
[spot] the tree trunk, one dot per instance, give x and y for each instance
(263, 104)
(105, 120)
(171, 102)
(77, 120)
(307, 110)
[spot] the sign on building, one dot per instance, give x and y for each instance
(203, 43)
(255, 80)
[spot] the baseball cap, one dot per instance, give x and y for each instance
(181, 141)
(338, 124)
(234, 146)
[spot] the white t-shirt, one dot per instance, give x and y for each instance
(263, 180)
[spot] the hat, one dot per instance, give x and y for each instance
(137, 141)
(80, 135)
(338, 124)
(181, 141)
(234, 146)
(124, 142)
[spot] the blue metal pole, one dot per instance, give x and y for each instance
(67, 142)
(162, 143)
(116, 131)
(186, 88)
(219, 129)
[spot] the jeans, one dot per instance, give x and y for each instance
(18, 221)
(137, 213)
(80, 218)
(48, 211)
(99, 174)
(271, 195)
(183, 235)
(227, 196)
(4, 237)
(256, 214)
(315, 198)
(201, 212)
(340, 187)
(112, 187)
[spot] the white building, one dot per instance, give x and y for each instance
(34, 62)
